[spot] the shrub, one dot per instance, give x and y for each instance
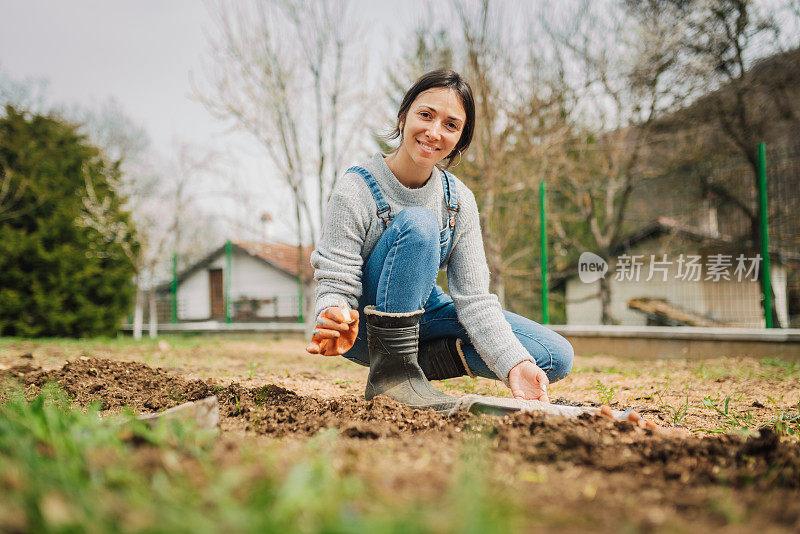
(58, 277)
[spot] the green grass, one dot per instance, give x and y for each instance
(709, 372)
(677, 414)
(66, 469)
(606, 394)
(729, 418)
(252, 367)
(114, 343)
(468, 385)
(770, 368)
(148, 349)
(785, 422)
(781, 369)
(627, 372)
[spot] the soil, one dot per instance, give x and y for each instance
(575, 474)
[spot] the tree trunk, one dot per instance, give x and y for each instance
(308, 317)
(605, 302)
(138, 312)
(153, 326)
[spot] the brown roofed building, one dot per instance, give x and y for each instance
(248, 281)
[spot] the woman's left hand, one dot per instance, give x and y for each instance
(528, 381)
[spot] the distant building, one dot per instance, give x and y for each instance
(266, 282)
(667, 274)
(694, 170)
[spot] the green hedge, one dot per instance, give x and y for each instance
(58, 277)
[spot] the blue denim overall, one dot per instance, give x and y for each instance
(400, 276)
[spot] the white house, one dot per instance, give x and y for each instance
(245, 281)
(683, 272)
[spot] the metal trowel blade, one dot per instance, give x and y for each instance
(491, 409)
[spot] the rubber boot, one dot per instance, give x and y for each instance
(442, 358)
(392, 340)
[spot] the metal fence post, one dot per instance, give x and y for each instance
(543, 233)
(300, 318)
(173, 290)
(766, 282)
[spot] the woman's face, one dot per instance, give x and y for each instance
(433, 126)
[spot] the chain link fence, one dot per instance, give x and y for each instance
(688, 252)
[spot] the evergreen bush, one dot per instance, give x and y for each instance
(58, 275)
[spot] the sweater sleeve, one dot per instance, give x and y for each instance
(337, 259)
(477, 309)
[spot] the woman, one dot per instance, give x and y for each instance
(391, 224)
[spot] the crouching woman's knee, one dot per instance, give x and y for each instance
(563, 354)
(419, 224)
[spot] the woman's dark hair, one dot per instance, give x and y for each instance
(449, 80)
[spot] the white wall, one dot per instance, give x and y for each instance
(254, 279)
(583, 304)
(194, 293)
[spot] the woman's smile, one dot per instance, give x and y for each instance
(428, 148)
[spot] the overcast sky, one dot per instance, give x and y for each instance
(141, 53)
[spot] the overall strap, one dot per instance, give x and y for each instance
(384, 210)
(449, 185)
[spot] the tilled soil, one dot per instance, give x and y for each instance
(615, 472)
(268, 409)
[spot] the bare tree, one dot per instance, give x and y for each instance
(619, 72)
(161, 197)
(282, 72)
(721, 44)
(29, 94)
(486, 46)
(745, 84)
(481, 52)
(518, 107)
(122, 140)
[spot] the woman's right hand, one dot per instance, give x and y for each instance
(528, 381)
(335, 332)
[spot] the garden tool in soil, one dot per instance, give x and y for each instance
(480, 404)
(204, 413)
(443, 358)
(394, 371)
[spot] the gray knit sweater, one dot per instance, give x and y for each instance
(352, 228)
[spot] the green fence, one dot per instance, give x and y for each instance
(697, 247)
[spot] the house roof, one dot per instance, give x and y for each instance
(281, 256)
(668, 225)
